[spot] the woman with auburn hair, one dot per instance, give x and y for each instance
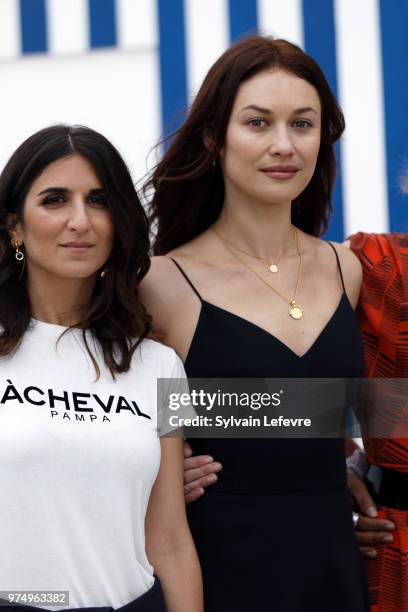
(91, 500)
(243, 287)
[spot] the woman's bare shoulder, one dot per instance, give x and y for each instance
(165, 293)
(351, 270)
(348, 259)
(163, 282)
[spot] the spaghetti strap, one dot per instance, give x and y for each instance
(338, 265)
(187, 279)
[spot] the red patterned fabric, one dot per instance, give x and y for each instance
(383, 314)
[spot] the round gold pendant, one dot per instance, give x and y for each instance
(274, 268)
(295, 311)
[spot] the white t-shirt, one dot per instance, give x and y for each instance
(78, 458)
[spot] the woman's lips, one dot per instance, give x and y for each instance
(280, 173)
(77, 247)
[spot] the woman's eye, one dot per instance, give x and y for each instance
(54, 200)
(257, 122)
(98, 201)
(302, 123)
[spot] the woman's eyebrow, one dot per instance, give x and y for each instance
(64, 190)
(267, 111)
(54, 190)
(259, 109)
(304, 109)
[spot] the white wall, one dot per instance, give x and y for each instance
(115, 92)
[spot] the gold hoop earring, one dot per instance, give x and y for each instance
(19, 255)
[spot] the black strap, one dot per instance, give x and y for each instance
(338, 265)
(187, 279)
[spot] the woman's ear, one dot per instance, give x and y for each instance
(208, 140)
(11, 220)
(14, 228)
(209, 143)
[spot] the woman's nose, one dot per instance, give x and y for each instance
(281, 143)
(78, 217)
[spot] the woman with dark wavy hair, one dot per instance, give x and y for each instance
(242, 286)
(91, 499)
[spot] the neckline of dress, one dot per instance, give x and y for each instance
(266, 332)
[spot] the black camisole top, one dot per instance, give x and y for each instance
(225, 345)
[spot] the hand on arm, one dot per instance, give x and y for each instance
(169, 545)
(199, 472)
(370, 530)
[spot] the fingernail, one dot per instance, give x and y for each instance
(217, 466)
(372, 512)
(387, 538)
(209, 459)
(371, 553)
(212, 478)
(200, 492)
(389, 526)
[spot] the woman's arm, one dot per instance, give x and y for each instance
(172, 304)
(370, 531)
(169, 545)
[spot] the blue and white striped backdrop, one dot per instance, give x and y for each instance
(362, 46)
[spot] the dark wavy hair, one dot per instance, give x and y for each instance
(186, 191)
(114, 315)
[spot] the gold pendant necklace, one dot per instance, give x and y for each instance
(295, 311)
(272, 265)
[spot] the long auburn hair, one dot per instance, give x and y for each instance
(115, 316)
(186, 188)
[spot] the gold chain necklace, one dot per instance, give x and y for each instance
(272, 265)
(295, 311)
